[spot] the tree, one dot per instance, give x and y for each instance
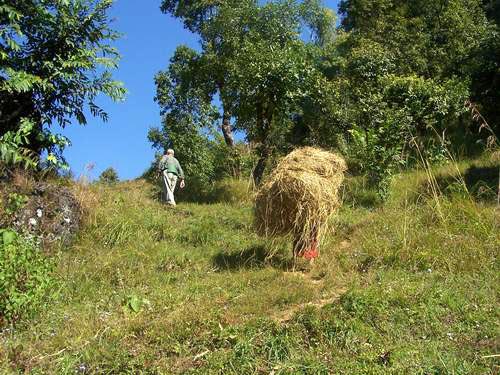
(257, 63)
(55, 58)
(404, 70)
(440, 40)
(109, 176)
(431, 38)
(219, 26)
(187, 116)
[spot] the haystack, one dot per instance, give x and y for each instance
(300, 195)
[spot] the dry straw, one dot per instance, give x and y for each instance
(300, 195)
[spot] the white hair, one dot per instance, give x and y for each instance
(170, 151)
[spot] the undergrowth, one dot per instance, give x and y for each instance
(25, 277)
(407, 286)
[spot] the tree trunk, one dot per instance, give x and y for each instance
(227, 129)
(258, 172)
(264, 118)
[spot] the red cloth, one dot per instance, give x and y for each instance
(312, 252)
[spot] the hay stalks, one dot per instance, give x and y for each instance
(300, 195)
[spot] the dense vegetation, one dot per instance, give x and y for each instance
(55, 58)
(395, 83)
(108, 176)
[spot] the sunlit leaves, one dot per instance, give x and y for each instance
(55, 59)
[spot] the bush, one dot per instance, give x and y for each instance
(231, 190)
(228, 190)
(109, 176)
(24, 277)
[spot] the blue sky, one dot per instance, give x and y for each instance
(149, 40)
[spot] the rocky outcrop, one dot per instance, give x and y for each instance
(48, 210)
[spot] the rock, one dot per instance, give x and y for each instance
(51, 212)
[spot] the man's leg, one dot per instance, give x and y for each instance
(172, 180)
(165, 186)
(169, 194)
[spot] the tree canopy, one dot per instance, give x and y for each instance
(56, 56)
(388, 85)
(254, 60)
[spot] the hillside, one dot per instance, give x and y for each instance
(410, 286)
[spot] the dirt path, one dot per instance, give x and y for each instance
(287, 315)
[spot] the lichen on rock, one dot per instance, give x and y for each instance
(48, 210)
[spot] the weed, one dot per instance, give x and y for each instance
(24, 277)
(15, 202)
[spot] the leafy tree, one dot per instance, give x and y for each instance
(437, 40)
(219, 26)
(55, 58)
(260, 67)
(390, 82)
(404, 71)
(109, 176)
(187, 117)
(431, 38)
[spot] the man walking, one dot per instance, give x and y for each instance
(171, 171)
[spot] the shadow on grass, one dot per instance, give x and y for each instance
(253, 257)
(356, 192)
(481, 183)
(482, 180)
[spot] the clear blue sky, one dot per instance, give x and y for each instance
(149, 40)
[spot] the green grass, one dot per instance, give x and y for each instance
(410, 286)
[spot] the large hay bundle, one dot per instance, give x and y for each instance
(300, 195)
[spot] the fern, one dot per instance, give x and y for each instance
(13, 150)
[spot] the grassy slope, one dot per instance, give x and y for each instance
(409, 287)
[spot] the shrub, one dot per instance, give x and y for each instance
(232, 190)
(15, 202)
(228, 190)
(109, 176)
(24, 276)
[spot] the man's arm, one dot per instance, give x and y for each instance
(161, 164)
(180, 172)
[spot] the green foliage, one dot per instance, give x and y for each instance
(134, 303)
(25, 279)
(398, 104)
(396, 115)
(232, 191)
(234, 162)
(55, 59)
(187, 117)
(15, 202)
(255, 60)
(391, 83)
(378, 151)
(429, 38)
(109, 176)
(13, 146)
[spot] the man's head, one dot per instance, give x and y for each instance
(170, 152)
